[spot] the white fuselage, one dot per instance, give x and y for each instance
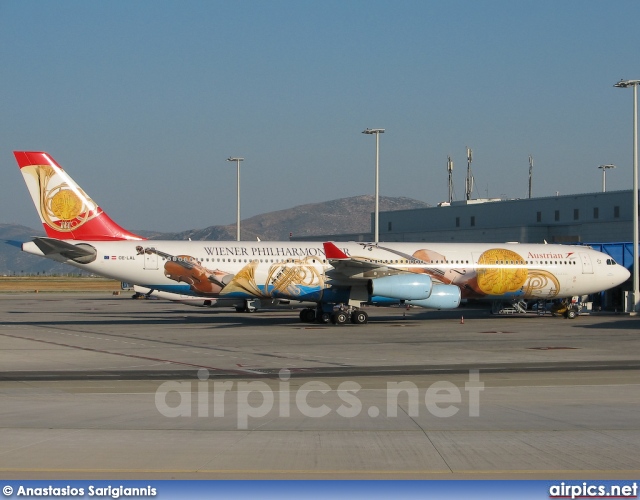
(298, 270)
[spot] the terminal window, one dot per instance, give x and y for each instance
(557, 215)
(596, 213)
(616, 212)
(473, 220)
(538, 216)
(576, 214)
(457, 221)
(390, 225)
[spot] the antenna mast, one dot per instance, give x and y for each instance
(450, 170)
(469, 181)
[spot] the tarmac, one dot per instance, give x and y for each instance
(100, 386)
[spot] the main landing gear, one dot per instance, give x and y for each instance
(339, 316)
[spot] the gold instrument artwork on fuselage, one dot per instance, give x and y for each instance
(62, 208)
(284, 279)
(539, 280)
(244, 281)
(500, 280)
(289, 277)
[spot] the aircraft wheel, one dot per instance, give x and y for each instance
(307, 315)
(359, 317)
(339, 318)
(571, 314)
(325, 318)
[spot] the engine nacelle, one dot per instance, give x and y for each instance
(401, 286)
(442, 297)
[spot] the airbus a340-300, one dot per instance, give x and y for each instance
(337, 277)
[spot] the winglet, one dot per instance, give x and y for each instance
(66, 212)
(332, 252)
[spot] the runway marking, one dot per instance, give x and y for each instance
(206, 347)
(550, 348)
(96, 338)
(102, 351)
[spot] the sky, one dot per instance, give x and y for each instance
(142, 102)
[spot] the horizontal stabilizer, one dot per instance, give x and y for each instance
(82, 253)
(14, 243)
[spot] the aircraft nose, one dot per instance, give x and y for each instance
(619, 275)
(624, 273)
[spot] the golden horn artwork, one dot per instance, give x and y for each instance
(244, 281)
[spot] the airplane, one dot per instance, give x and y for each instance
(338, 278)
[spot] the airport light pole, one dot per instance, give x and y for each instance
(604, 176)
(530, 174)
(623, 84)
(376, 218)
(237, 160)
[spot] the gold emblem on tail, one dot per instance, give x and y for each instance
(62, 208)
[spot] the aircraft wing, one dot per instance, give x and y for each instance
(356, 268)
(339, 260)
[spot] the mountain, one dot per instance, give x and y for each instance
(345, 215)
(13, 260)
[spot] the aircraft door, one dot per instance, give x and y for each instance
(151, 260)
(587, 266)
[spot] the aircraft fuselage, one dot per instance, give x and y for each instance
(298, 270)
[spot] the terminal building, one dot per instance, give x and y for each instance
(603, 221)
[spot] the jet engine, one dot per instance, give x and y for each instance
(401, 286)
(442, 297)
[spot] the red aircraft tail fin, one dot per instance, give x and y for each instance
(66, 212)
